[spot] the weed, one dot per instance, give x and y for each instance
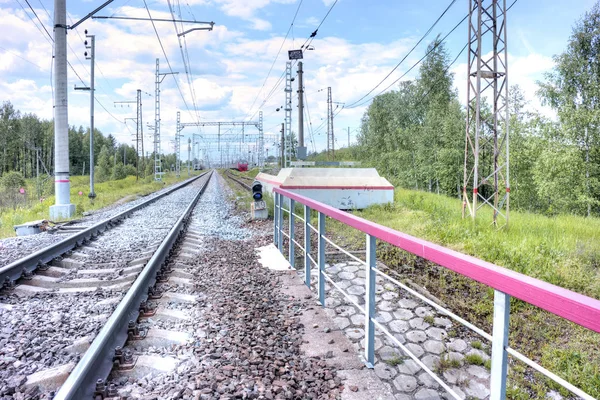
(395, 361)
(488, 364)
(429, 319)
(446, 362)
(474, 359)
(477, 345)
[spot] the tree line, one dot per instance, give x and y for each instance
(28, 148)
(415, 135)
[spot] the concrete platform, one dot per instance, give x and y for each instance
(322, 338)
(342, 188)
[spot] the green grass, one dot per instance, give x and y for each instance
(477, 345)
(446, 363)
(474, 359)
(395, 361)
(107, 193)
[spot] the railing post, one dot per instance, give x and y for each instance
(370, 301)
(275, 215)
(307, 265)
(280, 220)
(322, 259)
(292, 255)
(499, 343)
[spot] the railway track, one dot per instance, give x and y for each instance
(86, 295)
(240, 180)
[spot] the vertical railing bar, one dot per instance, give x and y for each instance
(321, 258)
(370, 301)
(292, 255)
(280, 219)
(275, 214)
(307, 245)
(499, 344)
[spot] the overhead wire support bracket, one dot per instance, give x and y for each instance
(185, 21)
(89, 15)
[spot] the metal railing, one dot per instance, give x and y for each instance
(580, 309)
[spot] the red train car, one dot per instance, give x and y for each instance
(242, 166)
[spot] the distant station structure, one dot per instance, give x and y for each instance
(342, 188)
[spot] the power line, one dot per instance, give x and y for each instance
(354, 104)
(186, 64)
(166, 58)
(275, 60)
(314, 34)
(407, 54)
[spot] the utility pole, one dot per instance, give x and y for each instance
(62, 207)
(157, 163)
(348, 137)
(330, 138)
(92, 47)
(301, 152)
(282, 160)
(288, 113)
(189, 154)
(486, 165)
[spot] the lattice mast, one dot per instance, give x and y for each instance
(330, 137)
(157, 164)
(486, 164)
(139, 137)
(261, 140)
(288, 114)
(178, 145)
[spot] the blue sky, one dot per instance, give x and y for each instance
(357, 45)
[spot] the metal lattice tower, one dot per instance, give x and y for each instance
(261, 140)
(157, 164)
(288, 113)
(139, 135)
(178, 145)
(486, 166)
(330, 138)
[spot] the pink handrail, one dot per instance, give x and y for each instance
(575, 307)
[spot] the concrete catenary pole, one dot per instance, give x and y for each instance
(62, 207)
(301, 153)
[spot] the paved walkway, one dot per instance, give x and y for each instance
(430, 336)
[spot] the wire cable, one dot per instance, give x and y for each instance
(274, 61)
(407, 54)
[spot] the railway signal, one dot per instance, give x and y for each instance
(257, 191)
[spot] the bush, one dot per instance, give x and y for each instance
(12, 181)
(130, 170)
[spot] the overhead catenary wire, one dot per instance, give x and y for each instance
(51, 41)
(314, 34)
(167, 59)
(274, 61)
(186, 64)
(356, 104)
(352, 105)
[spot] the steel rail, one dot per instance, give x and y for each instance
(26, 265)
(97, 361)
(238, 181)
